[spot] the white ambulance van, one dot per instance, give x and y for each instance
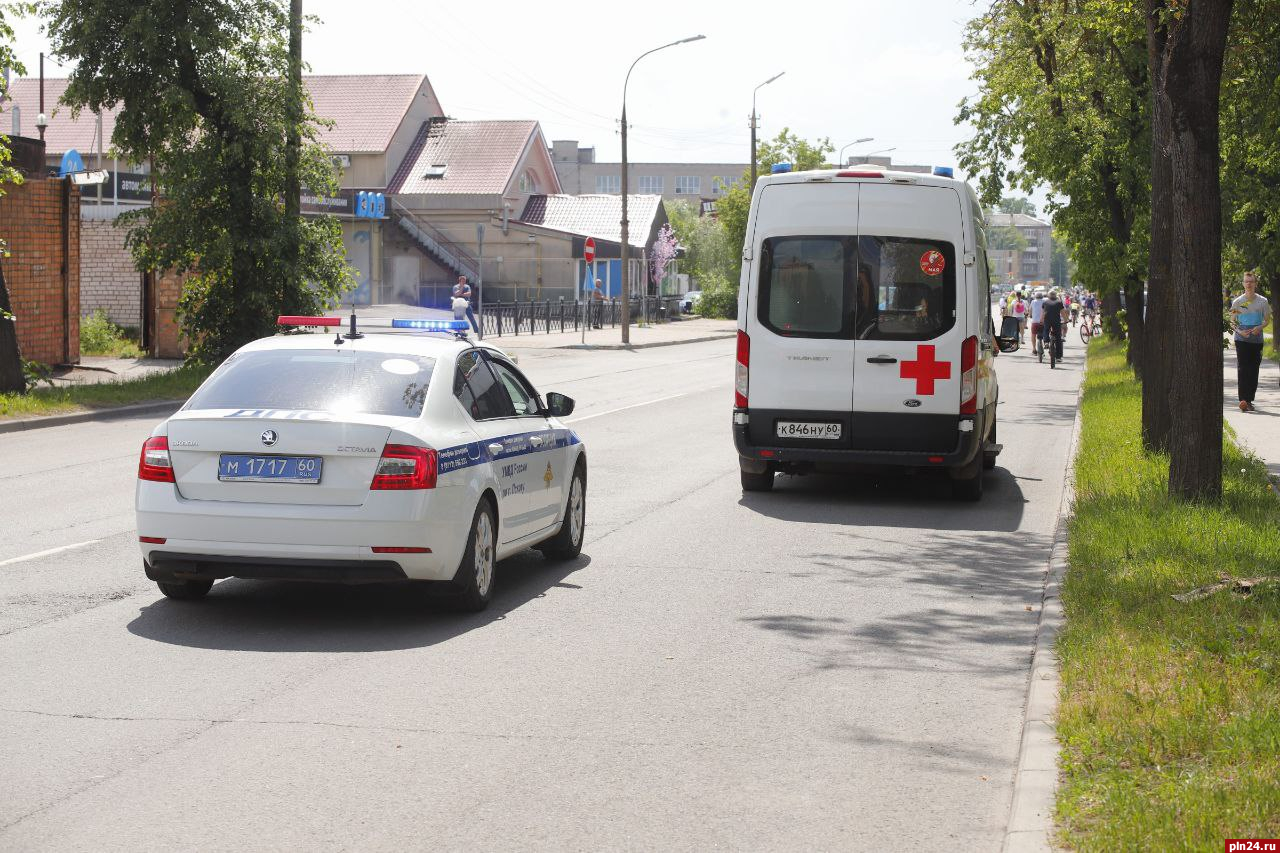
(865, 336)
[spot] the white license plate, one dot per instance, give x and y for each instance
(802, 429)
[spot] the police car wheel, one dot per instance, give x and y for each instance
(185, 590)
(757, 482)
(474, 580)
(567, 544)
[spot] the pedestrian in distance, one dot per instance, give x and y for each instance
(1037, 319)
(1249, 315)
(597, 302)
(1020, 314)
(462, 290)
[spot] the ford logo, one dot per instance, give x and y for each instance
(911, 403)
(269, 437)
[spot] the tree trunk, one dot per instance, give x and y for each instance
(1195, 35)
(1273, 287)
(1110, 308)
(1157, 354)
(11, 378)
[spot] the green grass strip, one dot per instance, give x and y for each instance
(1170, 711)
(169, 385)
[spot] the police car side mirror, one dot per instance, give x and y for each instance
(558, 405)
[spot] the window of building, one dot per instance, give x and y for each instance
(651, 184)
(688, 185)
(436, 170)
(718, 185)
(608, 183)
(528, 183)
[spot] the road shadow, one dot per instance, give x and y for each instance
(992, 580)
(277, 616)
(922, 501)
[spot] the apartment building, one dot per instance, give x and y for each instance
(580, 174)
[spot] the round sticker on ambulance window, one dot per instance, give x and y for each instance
(932, 262)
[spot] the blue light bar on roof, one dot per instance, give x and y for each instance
(944, 171)
(779, 168)
(431, 325)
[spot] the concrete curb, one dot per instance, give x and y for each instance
(1035, 783)
(158, 407)
(649, 345)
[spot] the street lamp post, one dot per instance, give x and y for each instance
(626, 276)
(753, 125)
(854, 142)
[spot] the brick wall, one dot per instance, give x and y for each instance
(31, 223)
(108, 279)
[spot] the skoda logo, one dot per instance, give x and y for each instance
(269, 437)
(909, 403)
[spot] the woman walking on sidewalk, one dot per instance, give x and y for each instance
(1249, 314)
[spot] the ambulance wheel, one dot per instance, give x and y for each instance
(752, 482)
(967, 490)
(988, 457)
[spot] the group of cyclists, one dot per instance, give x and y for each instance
(1047, 313)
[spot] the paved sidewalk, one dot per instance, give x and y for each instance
(96, 369)
(1259, 430)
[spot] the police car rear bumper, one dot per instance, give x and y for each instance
(967, 445)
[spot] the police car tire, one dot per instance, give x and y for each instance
(191, 590)
(468, 594)
(561, 546)
(757, 482)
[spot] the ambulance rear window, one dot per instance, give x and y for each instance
(906, 288)
(806, 286)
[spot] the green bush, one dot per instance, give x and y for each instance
(719, 297)
(99, 336)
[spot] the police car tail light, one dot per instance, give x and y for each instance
(740, 370)
(969, 376)
(403, 466)
(154, 464)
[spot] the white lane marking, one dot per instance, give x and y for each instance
(39, 554)
(636, 406)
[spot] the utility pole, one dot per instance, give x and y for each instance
(293, 133)
(753, 125)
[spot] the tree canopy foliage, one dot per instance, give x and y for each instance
(205, 98)
(11, 376)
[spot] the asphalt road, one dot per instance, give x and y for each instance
(836, 665)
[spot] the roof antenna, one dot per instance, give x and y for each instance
(353, 335)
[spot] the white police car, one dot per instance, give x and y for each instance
(357, 459)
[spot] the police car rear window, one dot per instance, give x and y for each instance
(374, 383)
(870, 287)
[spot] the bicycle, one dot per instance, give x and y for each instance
(1054, 334)
(1089, 328)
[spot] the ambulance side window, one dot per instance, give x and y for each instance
(914, 283)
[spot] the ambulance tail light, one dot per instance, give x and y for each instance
(154, 463)
(740, 371)
(404, 466)
(969, 376)
(859, 173)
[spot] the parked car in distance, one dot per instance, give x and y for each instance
(690, 301)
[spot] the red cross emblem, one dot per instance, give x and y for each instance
(925, 370)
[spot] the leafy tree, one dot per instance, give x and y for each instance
(205, 98)
(1251, 146)
(11, 376)
(1006, 237)
(707, 252)
(1062, 100)
(1018, 204)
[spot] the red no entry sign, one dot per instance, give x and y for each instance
(589, 250)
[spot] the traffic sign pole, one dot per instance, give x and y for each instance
(588, 255)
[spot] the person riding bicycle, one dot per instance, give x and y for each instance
(1090, 305)
(1052, 321)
